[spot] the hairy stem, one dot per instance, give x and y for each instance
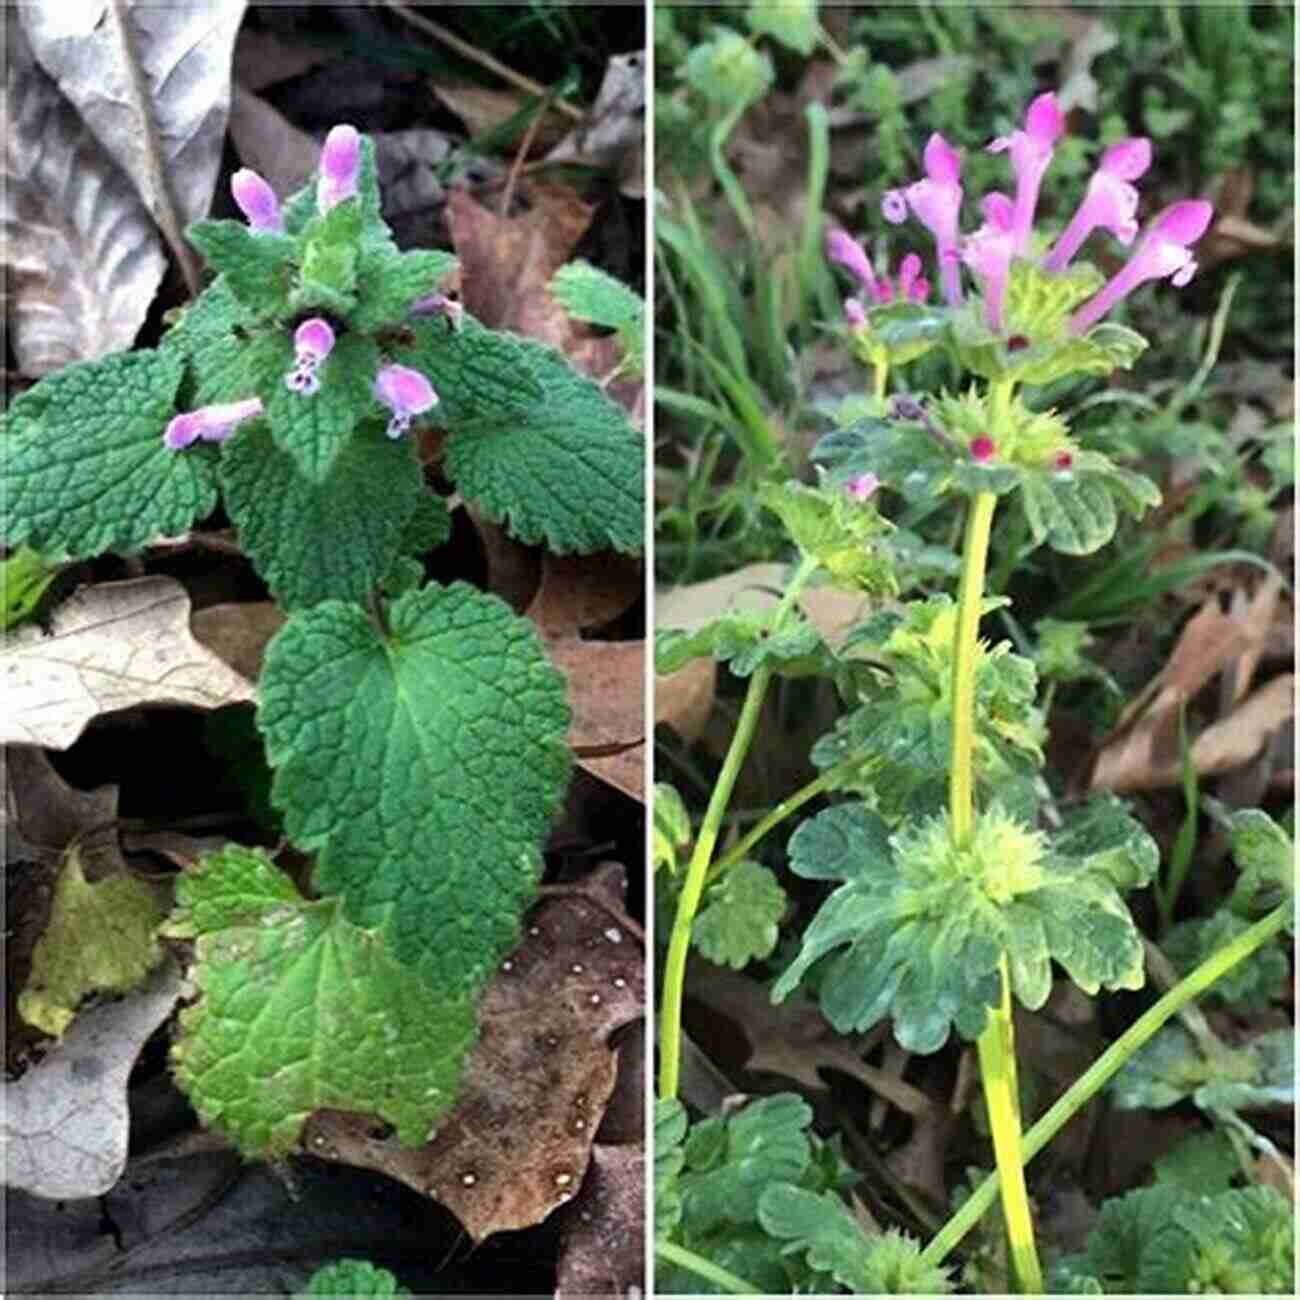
(1106, 1066)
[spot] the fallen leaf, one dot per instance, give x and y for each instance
(483, 110)
(111, 646)
(82, 257)
(613, 133)
(152, 83)
(1236, 739)
(684, 699)
(602, 1236)
(44, 814)
(606, 678)
(517, 1145)
(239, 633)
(1142, 752)
(265, 140)
(607, 696)
(65, 1121)
(507, 262)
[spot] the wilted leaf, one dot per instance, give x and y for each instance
(615, 126)
(517, 1144)
(81, 254)
(43, 814)
(153, 84)
(111, 647)
(65, 1124)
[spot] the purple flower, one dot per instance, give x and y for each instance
(1161, 253)
(439, 304)
(313, 341)
(405, 392)
(1031, 151)
(340, 165)
(862, 487)
(854, 313)
(1110, 202)
(209, 423)
(1063, 462)
(936, 203)
(982, 449)
(988, 253)
(912, 285)
(257, 201)
(842, 248)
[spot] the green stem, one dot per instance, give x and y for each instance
(679, 942)
(693, 1263)
(776, 815)
(1105, 1066)
(997, 1050)
(880, 373)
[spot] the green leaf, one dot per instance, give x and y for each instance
(25, 577)
(100, 936)
(1266, 855)
(1251, 985)
(744, 641)
(670, 1129)
(430, 779)
(85, 469)
(727, 1171)
(841, 533)
(738, 922)
(327, 279)
(300, 1009)
(568, 471)
(315, 427)
(902, 455)
(926, 924)
(318, 540)
(821, 1227)
(255, 267)
(353, 1277)
(590, 294)
(792, 22)
(1075, 512)
(1202, 1164)
(429, 526)
(390, 281)
(477, 372)
(208, 334)
(672, 826)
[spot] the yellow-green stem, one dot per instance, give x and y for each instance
(997, 1051)
(679, 942)
(970, 596)
(880, 375)
(1108, 1064)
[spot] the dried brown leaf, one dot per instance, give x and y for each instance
(517, 1145)
(602, 1237)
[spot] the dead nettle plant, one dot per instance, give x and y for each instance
(416, 731)
(959, 883)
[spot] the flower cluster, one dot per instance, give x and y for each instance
(1110, 203)
(405, 392)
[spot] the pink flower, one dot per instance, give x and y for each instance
(257, 201)
(912, 285)
(854, 313)
(1162, 253)
(1031, 151)
(1063, 462)
(842, 248)
(1111, 202)
(988, 253)
(209, 423)
(982, 449)
(313, 341)
(405, 392)
(340, 165)
(862, 487)
(936, 203)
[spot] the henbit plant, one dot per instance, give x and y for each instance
(949, 907)
(416, 732)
